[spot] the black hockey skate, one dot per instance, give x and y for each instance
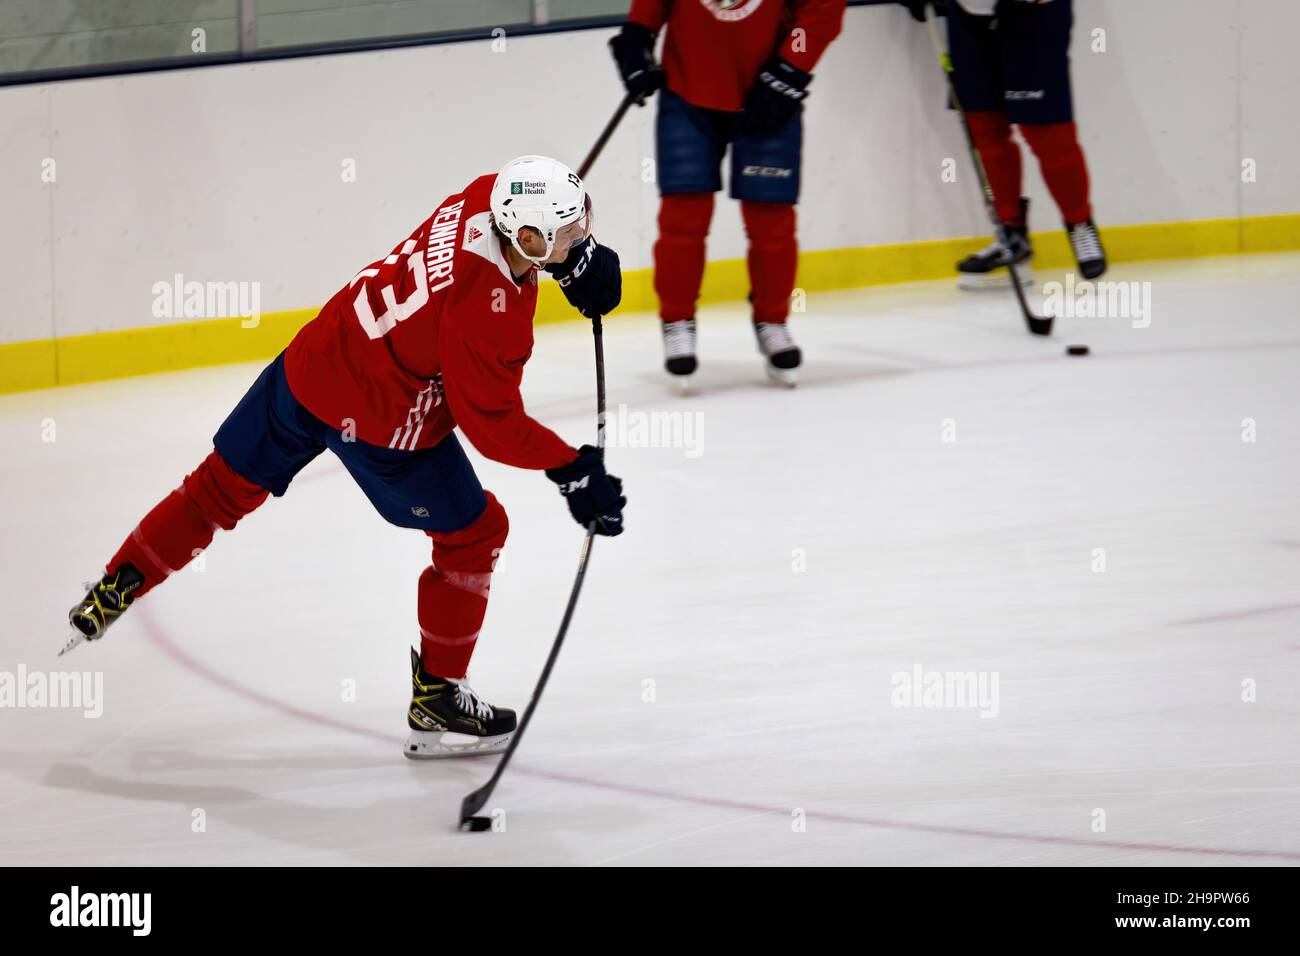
(986, 269)
(103, 604)
(782, 357)
(679, 351)
(447, 719)
(1086, 243)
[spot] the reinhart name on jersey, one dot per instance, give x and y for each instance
(433, 336)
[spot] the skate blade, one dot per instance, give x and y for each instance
(682, 384)
(438, 744)
(998, 279)
(788, 377)
(75, 641)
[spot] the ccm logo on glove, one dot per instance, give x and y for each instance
(592, 495)
(590, 278)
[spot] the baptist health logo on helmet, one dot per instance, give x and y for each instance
(528, 187)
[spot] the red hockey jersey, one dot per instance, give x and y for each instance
(714, 49)
(433, 336)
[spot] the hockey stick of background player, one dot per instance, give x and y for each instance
(474, 802)
(605, 134)
(1038, 325)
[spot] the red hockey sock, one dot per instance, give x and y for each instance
(773, 257)
(1065, 171)
(679, 252)
(1001, 157)
(454, 591)
(182, 524)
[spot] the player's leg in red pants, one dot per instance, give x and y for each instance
(1060, 157)
(264, 442)
(1000, 155)
(679, 252)
(773, 257)
(454, 590)
(181, 525)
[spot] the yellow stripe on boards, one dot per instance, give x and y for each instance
(28, 365)
(166, 348)
(97, 356)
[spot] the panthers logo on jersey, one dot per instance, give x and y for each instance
(731, 9)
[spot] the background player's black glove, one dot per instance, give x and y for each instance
(775, 98)
(591, 494)
(590, 278)
(634, 52)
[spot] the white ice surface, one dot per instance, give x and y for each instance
(1118, 691)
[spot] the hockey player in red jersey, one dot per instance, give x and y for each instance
(735, 73)
(431, 337)
(1011, 65)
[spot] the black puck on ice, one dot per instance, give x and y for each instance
(1076, 350)
(476, 824)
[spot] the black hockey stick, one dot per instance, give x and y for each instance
(1037, 325)
(474, 802)
(605, 134)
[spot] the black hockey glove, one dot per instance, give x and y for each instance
(775, 98)
(634, 52)
(590, 278)
(591, 494)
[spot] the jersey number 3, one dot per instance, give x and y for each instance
(377, 326)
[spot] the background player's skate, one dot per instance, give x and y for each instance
(1085, 242)
(680, 360)
(987, 269)
(781, 357)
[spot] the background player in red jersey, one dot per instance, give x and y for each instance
(433, 336)
(1011, 62)
(736, 73)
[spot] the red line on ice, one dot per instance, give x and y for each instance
(159, 638)
(1238, 615)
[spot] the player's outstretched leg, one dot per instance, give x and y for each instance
(986, 269)
(262, 444)
(177, 529)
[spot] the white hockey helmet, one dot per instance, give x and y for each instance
(540, 192)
